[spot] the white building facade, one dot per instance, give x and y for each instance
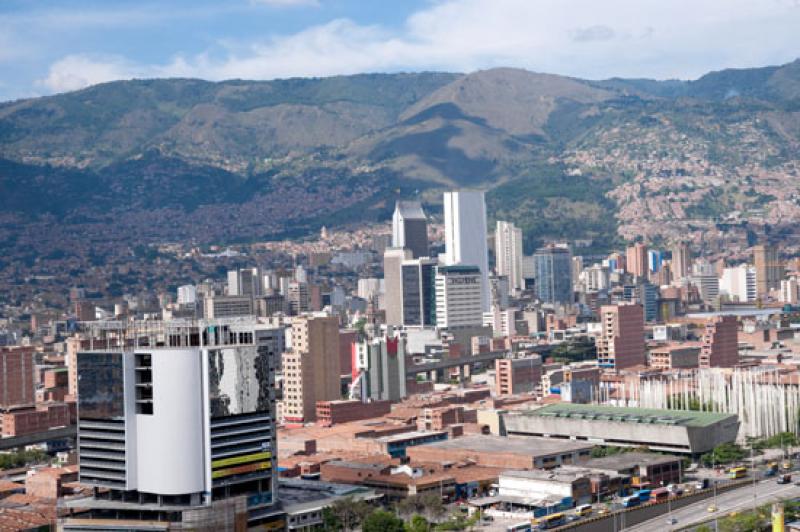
(465, 235)
(508, 252)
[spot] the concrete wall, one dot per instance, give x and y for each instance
(675, 438)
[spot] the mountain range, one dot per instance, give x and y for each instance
(565, 158)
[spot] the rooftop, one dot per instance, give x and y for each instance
(684, 418)
(458, 268)
(628, 460)
(528, 446)
(410, 210)
(403, 436)
(377, 467)
(541, 474)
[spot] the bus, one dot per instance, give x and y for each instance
(551, 521)
(583, 510)
(737, 472)
(629, 502)
(524, 526)
(644, 495)
(659, 495)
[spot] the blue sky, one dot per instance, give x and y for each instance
(49, 46)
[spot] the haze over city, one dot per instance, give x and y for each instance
(334, 265)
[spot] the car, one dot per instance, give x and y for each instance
(603, 511)
(571, 518)
(712, 508)
(671, 521)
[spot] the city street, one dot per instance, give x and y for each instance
(735, 500)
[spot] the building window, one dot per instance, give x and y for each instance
(144, 384)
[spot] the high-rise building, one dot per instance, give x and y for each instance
(502, 321)
(681, 261)
(645, 294)
(553, 275)
(465, 235)
(419, 292)
(704, 277)
(739, 283)
(518, 375)
(187, 294)
(597, 277)
(621, 341)
(636, 260)
(648, 298)
(182, 434)
(458, 296)
(297, 297)
(16, 376)
(311, 369)
(379, 369)
(789, 291)
(215, 307)
(508, 252)
(577, 268)
(769, 269)
(393, 283)
(233, 283)
(410, 228)
(720, 347)
(654, 259)
(244, 282)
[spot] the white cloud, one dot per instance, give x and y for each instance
(642, 38)
(78, 71)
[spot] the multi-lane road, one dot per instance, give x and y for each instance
(738, 499)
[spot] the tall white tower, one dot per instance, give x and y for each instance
(465, 235)
(508, 244)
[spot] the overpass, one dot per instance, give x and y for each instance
(466, 361)
(38, 437)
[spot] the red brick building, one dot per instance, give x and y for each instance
(16, 376)
(29, 420)
(621, 342)
(513, 376)
(342, 411)
(720, 343)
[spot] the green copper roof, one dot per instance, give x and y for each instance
(685, 418)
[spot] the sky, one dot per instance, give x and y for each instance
(52, 46)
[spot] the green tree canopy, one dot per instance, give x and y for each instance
(383, 521)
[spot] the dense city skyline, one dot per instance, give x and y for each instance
(347, 266)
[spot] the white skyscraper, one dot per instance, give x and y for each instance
(508, 243)
(465, 235)
(739, 283)
(187, 294)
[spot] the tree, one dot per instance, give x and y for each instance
(418, 524)
(433, 506)
(383, 521)
(724, 453)
(330, 521)
(345, 514)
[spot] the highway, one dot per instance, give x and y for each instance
(38, 437)
(737, 499)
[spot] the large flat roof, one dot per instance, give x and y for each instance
(528, 446)
(628, 460)
(403, 436)
(684, 418)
